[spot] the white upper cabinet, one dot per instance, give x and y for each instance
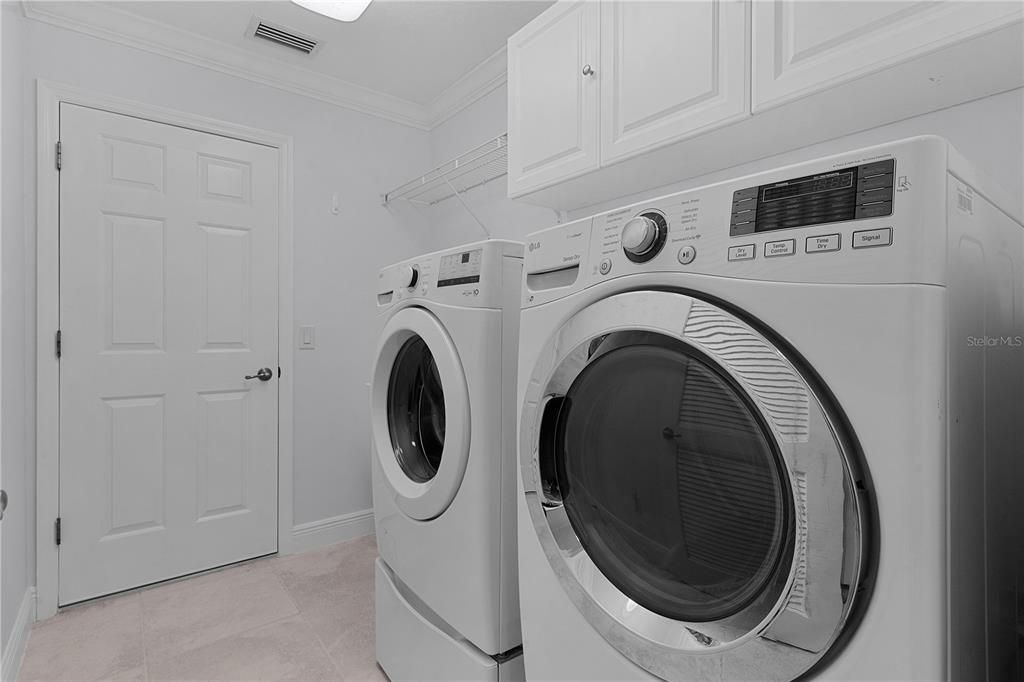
(803, 47)
(553, 96)
(670, 70)
(679, 88)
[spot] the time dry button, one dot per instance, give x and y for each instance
(606, 266)
(687, 254)
(823, 243)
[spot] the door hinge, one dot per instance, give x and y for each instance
(278, 372)
(56, 530)
(58, 154)
(59, 342)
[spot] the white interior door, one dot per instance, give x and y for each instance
(168, 300)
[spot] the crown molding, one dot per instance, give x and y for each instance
(103, 21)
(109, 23)
(482, 79)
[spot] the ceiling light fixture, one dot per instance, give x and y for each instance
(342, 10)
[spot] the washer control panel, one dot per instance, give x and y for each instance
(460, 268)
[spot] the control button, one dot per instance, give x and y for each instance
(868, 238)
(686, 255)
(826, 242)
(745, 252)
(606, 266)
(785, 247)
(875, 182)
(876, 168)
(873, 210)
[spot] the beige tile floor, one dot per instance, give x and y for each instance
(300, 617)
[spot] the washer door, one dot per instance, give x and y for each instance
(421, 413)
(691, 493)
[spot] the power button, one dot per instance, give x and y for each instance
(686, 255)
(606, 266)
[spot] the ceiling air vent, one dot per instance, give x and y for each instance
(283, 36)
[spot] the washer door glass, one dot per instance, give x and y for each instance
(416, 417)
(669, 479)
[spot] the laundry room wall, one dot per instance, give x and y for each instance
(336, 257)
(503, 218)
(988, 131)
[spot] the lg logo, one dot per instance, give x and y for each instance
(534, 246)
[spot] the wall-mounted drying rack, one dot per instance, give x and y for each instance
(476, 167)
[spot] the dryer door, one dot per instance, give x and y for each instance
(420, 414)
(693, 496)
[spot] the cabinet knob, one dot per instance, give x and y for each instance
(587, 71)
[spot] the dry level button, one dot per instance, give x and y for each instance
(745, 252)
(826, 242)
(686, 255)
(786, 247)
(868, 238)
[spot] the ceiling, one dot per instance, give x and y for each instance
(413, 50)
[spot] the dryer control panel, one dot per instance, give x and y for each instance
(853, 193)
(872, 216)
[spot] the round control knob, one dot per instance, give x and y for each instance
(644, 236)
(639, 235)
(407, 276)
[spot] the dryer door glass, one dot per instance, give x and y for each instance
(670, 479)
(416, 411)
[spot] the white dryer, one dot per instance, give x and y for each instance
(771, 428)
(444, 465)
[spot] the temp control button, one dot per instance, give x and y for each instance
(868, 238)
(606, 266)
(823, 243)
(686, 255)
(745, 252)
(785, 247)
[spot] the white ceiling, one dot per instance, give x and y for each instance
(410, 49)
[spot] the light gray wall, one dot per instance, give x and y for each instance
(451, 224)
(336, 257)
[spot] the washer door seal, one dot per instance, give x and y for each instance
(691, 493)
(420, 413)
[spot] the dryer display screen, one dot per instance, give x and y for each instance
(851, 193)
(460, 268)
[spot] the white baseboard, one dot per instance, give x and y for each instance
(308, 536)
(14, 648)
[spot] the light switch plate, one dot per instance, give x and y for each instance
(307, 337)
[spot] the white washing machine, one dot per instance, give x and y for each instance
(444, 465)
(771, 428)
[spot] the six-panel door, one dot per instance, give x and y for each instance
(168, 300)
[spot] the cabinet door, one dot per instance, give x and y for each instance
(670, 70)
(803, 47)
(552, 103)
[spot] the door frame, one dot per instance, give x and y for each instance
(49, 96)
